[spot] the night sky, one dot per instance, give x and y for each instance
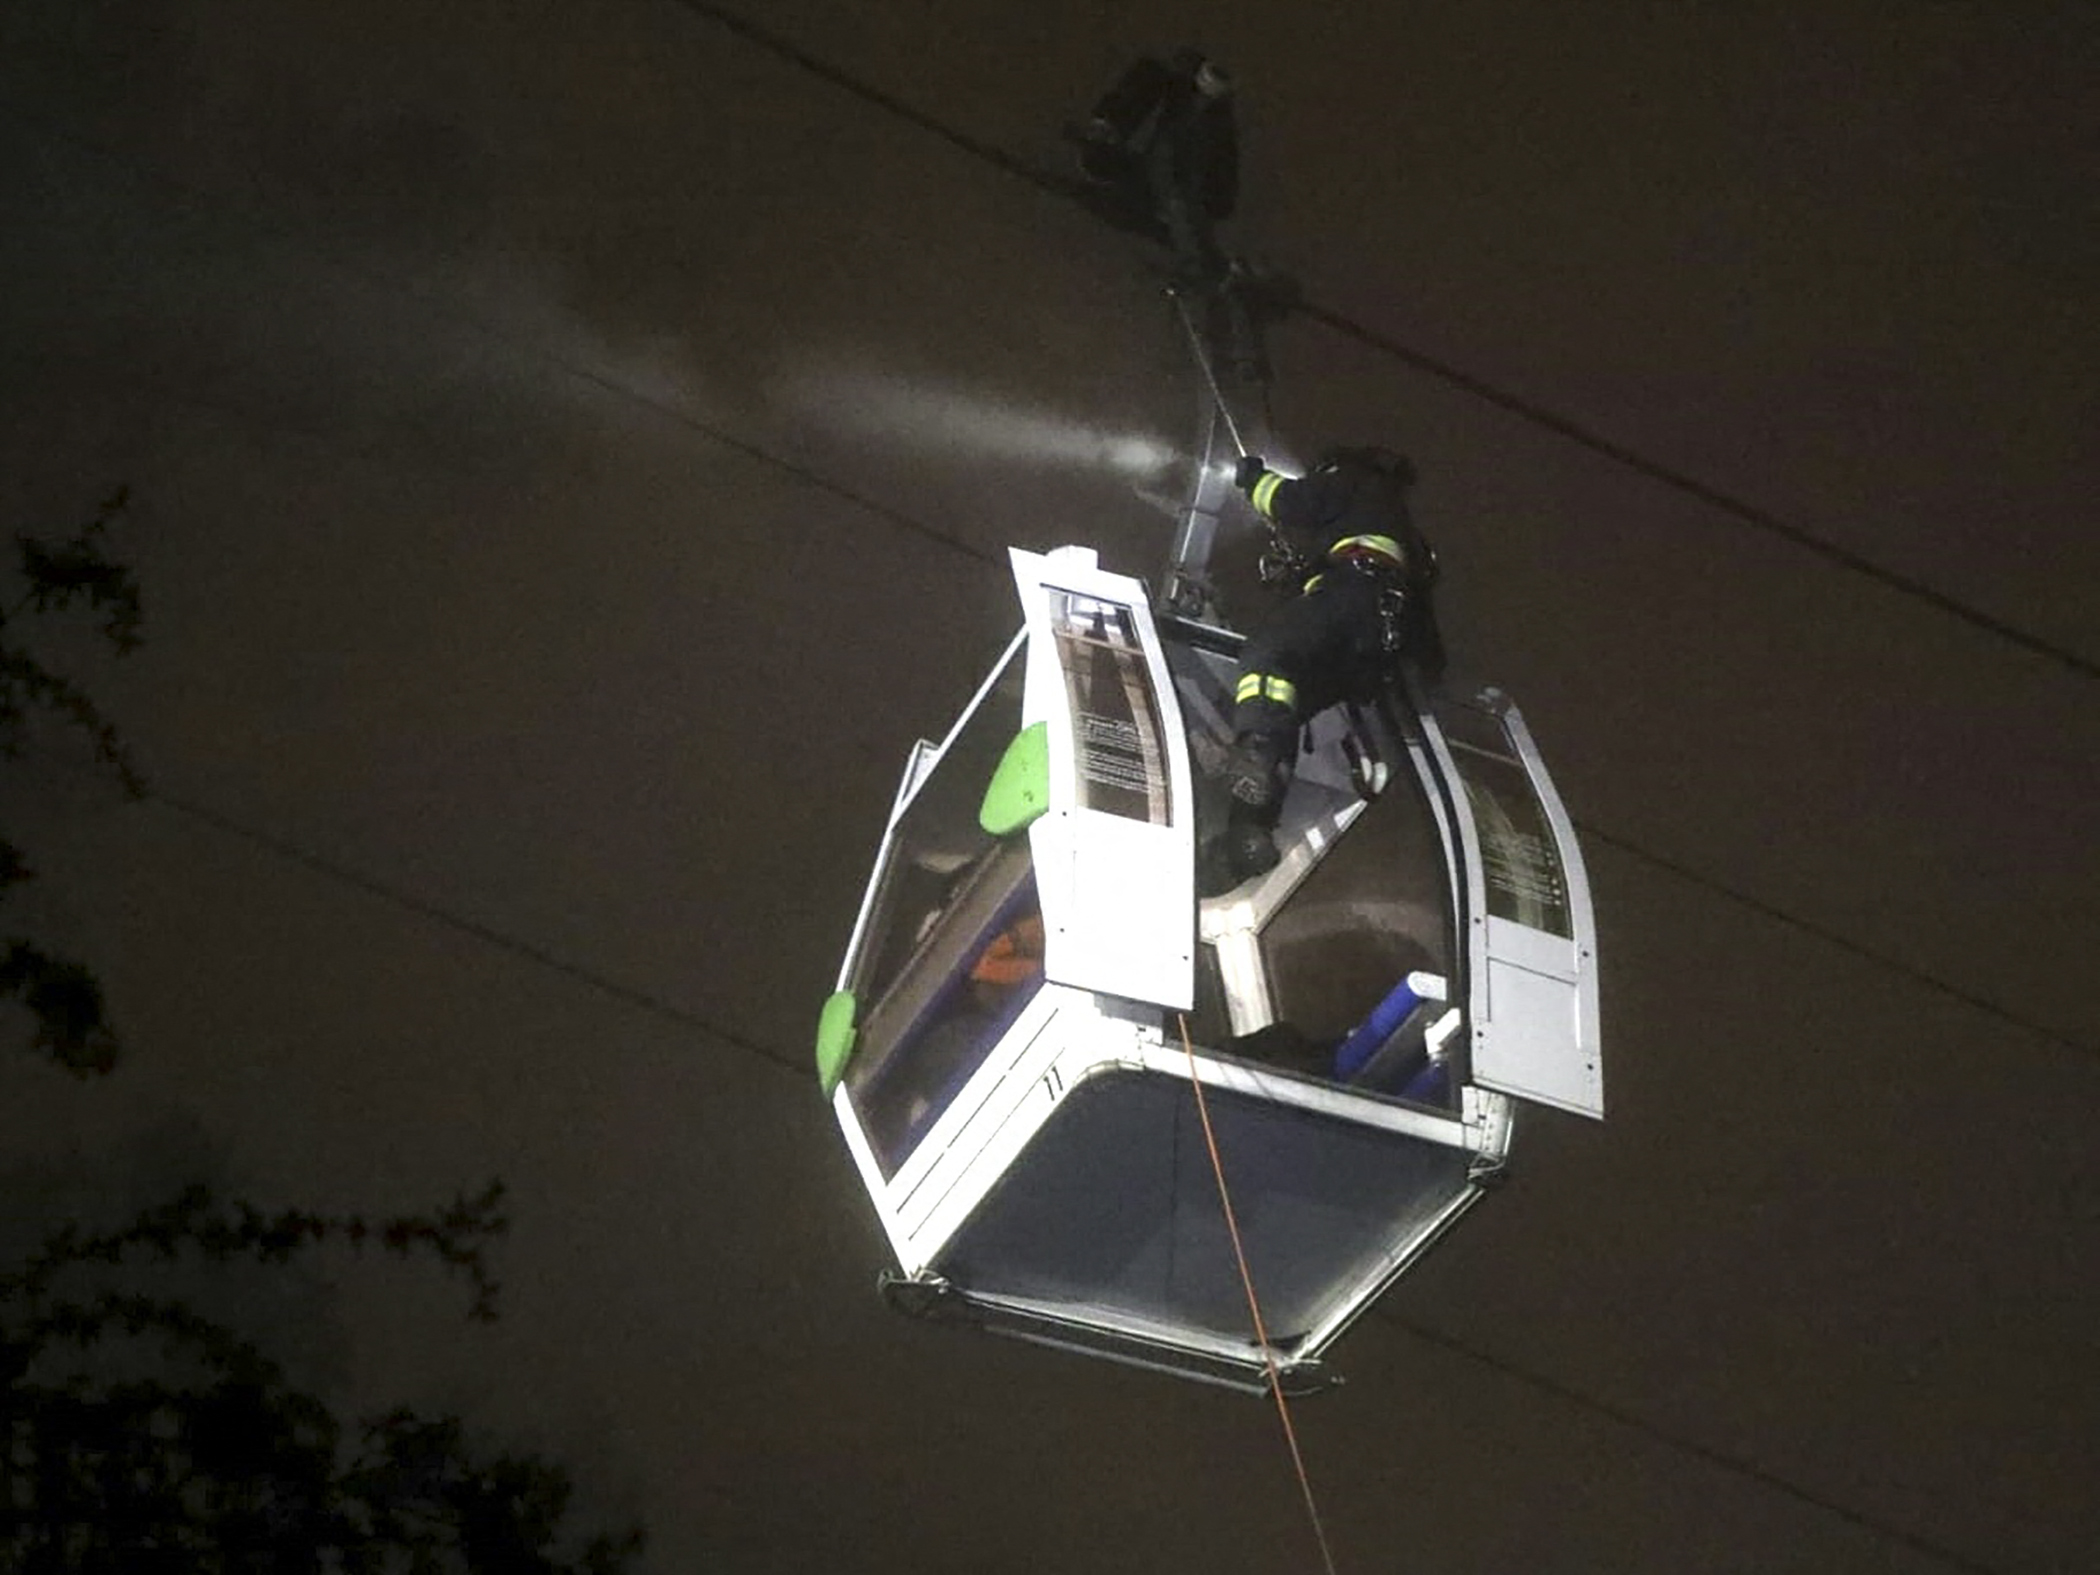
(573, 449)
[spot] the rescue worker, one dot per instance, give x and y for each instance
(1368, 604)
(1014, 957)
(1163, 154)
(964, 1028)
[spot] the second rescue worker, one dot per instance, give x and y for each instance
(1368, 604)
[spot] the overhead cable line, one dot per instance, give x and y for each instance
(1931, 981)
(913, 525)
(657, 1006)
(1738, 509)
(1706, 1452)
(774, 43)
(1713, 497)
(424, 908)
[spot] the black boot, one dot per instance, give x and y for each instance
(1250, 846)
(1247, 849)
(1257, 776)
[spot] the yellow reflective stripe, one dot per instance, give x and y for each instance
(1266, 686)
(1312, 584)
(1383, 545)
(1264, 490)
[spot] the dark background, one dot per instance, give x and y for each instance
(573, 447)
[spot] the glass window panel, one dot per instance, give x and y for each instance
(1375, 909)
(1119, 751)
(1203, 692)
(1114, 1207)
(1519, 855)
(962, 995)
(946, 895)
(937, 842)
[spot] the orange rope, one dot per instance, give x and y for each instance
(1261, 1333)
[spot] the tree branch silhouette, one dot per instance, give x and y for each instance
(59, 574)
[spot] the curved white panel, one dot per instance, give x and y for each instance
(1115, 854)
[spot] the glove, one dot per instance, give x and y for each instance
(1248, 471)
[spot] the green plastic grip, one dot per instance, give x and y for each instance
(1019, 792)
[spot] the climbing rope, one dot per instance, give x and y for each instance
(1261, 1333)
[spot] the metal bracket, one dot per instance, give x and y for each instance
(927, 1296)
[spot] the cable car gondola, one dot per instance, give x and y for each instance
(1032, 985)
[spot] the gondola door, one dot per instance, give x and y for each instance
(1115, 852)
(1531, 935)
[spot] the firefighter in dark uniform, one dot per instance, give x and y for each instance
(1367, 604)
(1163, 154)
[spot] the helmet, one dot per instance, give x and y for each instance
(1383, 460)
(1202, 72)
